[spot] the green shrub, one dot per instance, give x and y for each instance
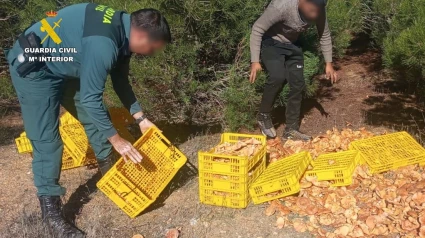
(398, 28)
(345, 20)
(7, 92)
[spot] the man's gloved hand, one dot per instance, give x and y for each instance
(125, 149)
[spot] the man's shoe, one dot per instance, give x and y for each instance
(266, 125)
(106, 164)
(51, 213)
(296, 135)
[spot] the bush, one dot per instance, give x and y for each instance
(398, 29)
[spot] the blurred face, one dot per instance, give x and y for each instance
(140, 43)
(309, 10)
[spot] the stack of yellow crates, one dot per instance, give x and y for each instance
(77, 151)
(224, 180)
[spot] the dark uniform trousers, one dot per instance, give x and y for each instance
(284, 62)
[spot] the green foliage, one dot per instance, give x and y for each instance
(6, 89)
(9, 29)
(399, 29)
(345, 19)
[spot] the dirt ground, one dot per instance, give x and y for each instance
(366, 96)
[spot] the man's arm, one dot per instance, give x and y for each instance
(325, 37)
(326, 46)
(271, 16)
(122, 87)
(121, 84)
(99, 54)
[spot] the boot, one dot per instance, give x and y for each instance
(296, 135)
(51, 214)
(266, 125)
(106, 164)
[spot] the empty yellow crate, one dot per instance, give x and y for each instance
(227, 164)
(119, 117)
(280, 179)
(66, 119)
(76, 156)
(383, 153)
(224, 198)
(74, 136)
(67, 159)
(334, 165)
(236, 183)
(133, 187)
(68, 162)
(23, 144)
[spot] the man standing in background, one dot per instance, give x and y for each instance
(273, 38)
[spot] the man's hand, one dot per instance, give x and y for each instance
(255, 67)
(145, 125)
(331, 74)
(125, 149)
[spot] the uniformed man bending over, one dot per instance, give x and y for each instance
(103, 41)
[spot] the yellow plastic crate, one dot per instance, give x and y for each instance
(334, 165)
(227, 164)
(66, 119)
(236, 183)
(224, 198)
(68, 162)
(286, 190)
(74, 136)
(392, 151)
(119, 117)
(133, 187)
(23, 144)
(280, 179)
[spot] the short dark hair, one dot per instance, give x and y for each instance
(153, 22)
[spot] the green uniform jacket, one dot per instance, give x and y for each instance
(100, 37)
